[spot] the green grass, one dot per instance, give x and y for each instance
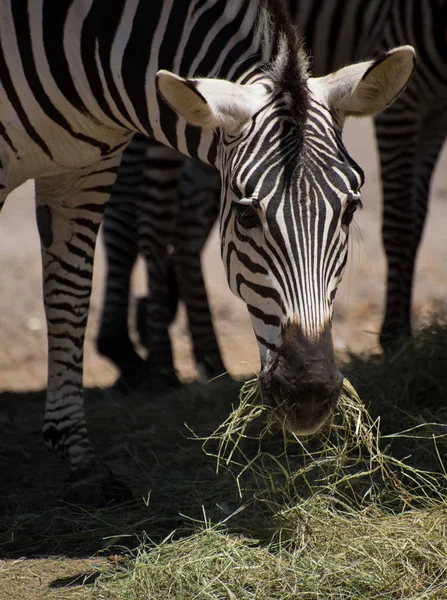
(230, 507)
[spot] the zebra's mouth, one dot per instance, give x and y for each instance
(302, 410)
(298, 421)
(301, 381)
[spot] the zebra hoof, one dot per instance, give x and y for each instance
(146, 380)
(130, 382)
(118, 348)
(393, 342)
(95, 489)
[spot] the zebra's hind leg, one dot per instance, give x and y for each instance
(407, 162)
(69, 211)
(147, 306)
(157, 209)
(397, 147)
(121, 244)
(199, 198)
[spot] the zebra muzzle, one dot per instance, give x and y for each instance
(303, 384)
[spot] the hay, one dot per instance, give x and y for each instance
(344, 461)
(337, 554)
(336, 516)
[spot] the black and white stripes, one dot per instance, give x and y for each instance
(410, 134)
(67, 115)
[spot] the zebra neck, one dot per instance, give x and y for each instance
(243, 40)
(208, 39)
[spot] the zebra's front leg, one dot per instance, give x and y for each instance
(69, 210)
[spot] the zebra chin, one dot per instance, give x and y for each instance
(303, 383)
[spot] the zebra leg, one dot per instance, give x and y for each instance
(199, 197)
(121, 244)
(69, 210)
(157, 210)
(407, 166)
(149, 304)
(396, 137)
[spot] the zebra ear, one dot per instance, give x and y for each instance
(367, 88)
(210, 103)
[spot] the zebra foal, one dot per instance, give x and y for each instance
(79, 78)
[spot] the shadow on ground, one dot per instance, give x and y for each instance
(148, 444)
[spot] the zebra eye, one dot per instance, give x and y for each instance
(353, 204)
(246, 216)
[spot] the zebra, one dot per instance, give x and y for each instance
(192, 210)
(173, 227)
(410, 134)
(80, 78)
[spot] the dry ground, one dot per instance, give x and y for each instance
(45, 579)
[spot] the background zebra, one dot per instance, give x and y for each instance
(80, 78)
(173, 216)
(410, 135)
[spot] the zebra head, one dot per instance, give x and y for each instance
(289, 193)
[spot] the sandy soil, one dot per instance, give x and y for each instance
(47, 579)
(358, 304)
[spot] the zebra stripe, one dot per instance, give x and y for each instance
(122, 59)
(410, 135)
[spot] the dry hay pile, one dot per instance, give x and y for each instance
(341, 515)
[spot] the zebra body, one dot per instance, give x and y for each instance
(80, 78)
(410, 134)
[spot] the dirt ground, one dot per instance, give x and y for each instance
(358, 303)
(46, 579)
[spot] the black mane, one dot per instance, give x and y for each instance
(289, 66)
